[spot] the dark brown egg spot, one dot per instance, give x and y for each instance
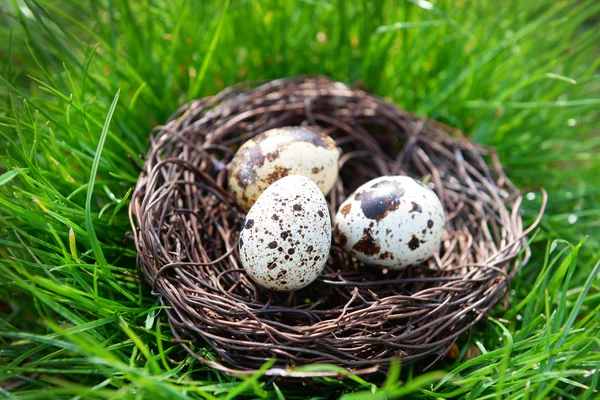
(343, 239)
(278, 173)
(320, 213)
(309, 249)
(272, 265)
(273, 244)
(284, 235)
(249, 224)
(291, 251)
(415, 207)
(414, 243)
(377, 204)
(430, 224)
(297, 207)
(424, 231)
(275, 217)
(273, 155)
(367, 244)
(315, 170)
(281, 274)
(280, 249)
(386, 255)
(346, 209)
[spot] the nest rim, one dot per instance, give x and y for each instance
(185, 225)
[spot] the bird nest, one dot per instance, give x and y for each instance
(186, 226)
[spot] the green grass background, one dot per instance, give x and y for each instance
(82, 84)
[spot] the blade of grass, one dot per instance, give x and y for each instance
(197, 83)
(89, 226)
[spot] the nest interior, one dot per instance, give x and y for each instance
(186, 227)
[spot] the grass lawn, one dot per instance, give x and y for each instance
(82, 83)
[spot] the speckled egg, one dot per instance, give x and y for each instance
(280, 152)
(286, 237)
(391, 221)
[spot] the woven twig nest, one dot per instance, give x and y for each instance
(186, 228)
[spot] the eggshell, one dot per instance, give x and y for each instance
(280, 152)
(391, 221)
(286, 237)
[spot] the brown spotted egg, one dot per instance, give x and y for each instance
(280, 152)
(286, 237)
(391, 221)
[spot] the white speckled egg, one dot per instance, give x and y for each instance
(280, 152)
(286, 237)
(391, 221)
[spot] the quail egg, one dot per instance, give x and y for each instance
(286, 237)
(280, 152)
(391, 221)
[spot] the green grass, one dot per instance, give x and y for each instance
(82, 85)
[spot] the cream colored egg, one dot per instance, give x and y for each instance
(286, 237)
(280, 152)
(391, 221)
